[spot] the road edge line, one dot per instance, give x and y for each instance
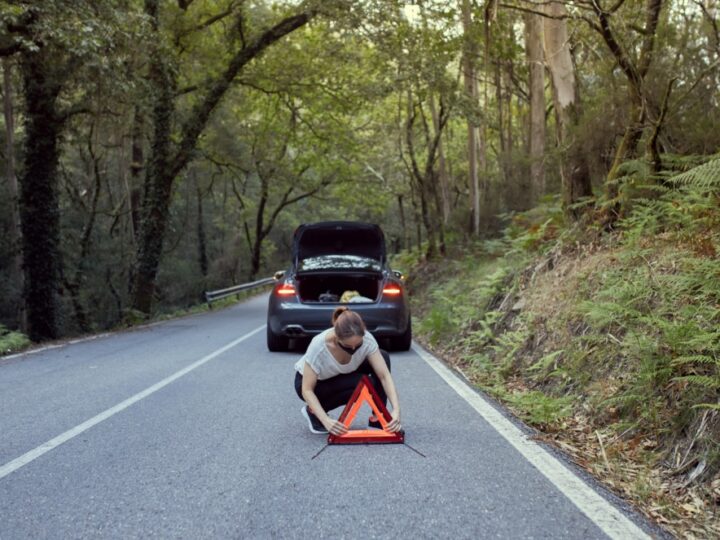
(612, 521)
(53, 443)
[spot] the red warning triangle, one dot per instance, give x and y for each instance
(366, 393)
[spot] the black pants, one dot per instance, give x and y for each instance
(336, 391)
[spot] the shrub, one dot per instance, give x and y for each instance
(12, 341)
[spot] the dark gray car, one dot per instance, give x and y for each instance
(338, 263)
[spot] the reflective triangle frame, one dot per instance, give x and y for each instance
(365, 393)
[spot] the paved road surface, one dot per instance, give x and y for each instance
(109, 438)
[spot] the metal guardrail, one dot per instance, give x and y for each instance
(211, 296)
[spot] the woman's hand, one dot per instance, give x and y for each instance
(335, 427)
(394, 424)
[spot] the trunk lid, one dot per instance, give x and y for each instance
(355, 242)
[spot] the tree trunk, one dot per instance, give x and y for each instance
(573, 165)
(159, 176)
(202, 244)
(136, 168)
(256, 247)
(264, 224)
(416, 217)
(423, 179)
(434, 180)
(471, 89)
(164, 168)
(435, 177)
(641, 106)
(74, 285)
(403, 224)
(536, 139)
(500, 113)
(443, 200)
(416, 178)
(39, 211)
(15, 226)
(628, 144)
(501, 98)
(653, 144)
(509, 116)
(474, 178)
(483, 188)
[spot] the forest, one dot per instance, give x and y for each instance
(153, 150)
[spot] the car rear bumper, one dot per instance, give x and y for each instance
(293, 319)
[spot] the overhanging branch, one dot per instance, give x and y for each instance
(198, 119)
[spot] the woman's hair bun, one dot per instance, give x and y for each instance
(339, 311)
(350, 325)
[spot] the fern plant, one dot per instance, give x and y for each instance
(662, 303)
(706, 175)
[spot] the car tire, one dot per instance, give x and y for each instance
(404, 341)
(276, 342)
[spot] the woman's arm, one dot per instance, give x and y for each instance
(377, 362)
(309, 381)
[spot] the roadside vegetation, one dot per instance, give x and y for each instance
(608, 342)
(11, 341)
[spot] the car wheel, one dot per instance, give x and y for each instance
(403, 342)
(276, 342)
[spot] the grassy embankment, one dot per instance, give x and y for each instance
(608, 343)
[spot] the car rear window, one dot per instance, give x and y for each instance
(339, 262)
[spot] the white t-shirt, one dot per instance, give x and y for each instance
(323, 363)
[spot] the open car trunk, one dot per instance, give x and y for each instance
(318, 287)
(344, 238)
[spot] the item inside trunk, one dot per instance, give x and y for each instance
(330, 288)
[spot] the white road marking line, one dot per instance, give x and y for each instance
(32, 455)
(608, 518)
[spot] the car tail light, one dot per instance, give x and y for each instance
(392, 290)
(285, 289)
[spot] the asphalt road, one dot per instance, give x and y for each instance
(109, 438)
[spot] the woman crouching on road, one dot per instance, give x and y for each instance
(335, 361)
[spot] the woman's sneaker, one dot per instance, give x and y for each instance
(314, 422)
(374, 423)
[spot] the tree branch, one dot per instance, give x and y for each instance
(569, 16)
(616, 6)
(616, 49)
(194, 126)
(652, 146)
(713, 22)
(640, 30)
(411, 150)
(187, 90)
(652, 17)
(207, 22)
(285, 202)
(237, 194)
(702, 75)
(443, 116)
(74, 111)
